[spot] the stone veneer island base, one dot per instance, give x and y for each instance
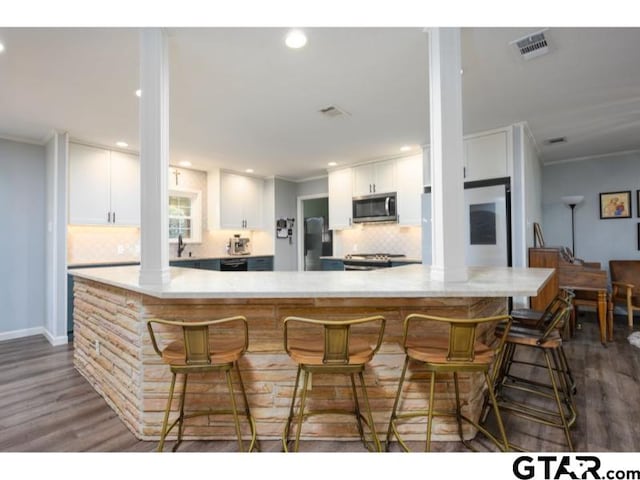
(113, 350)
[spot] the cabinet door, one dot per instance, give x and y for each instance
(384, 180)
(340, 199)
(486, 157)
(409, 176)
(252, 205)
(89, 190)
(125, 189)
(363, 180)
(232, 188)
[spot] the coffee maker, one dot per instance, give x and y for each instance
(239, 245)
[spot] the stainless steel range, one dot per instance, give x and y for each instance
(369, 261)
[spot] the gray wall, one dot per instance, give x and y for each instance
(285, 207)
(313, 187)
(23, 238)
(596, 240)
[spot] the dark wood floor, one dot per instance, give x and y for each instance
(48, 407)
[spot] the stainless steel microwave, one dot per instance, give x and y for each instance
(381, 207)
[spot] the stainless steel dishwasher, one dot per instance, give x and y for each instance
(233, 265)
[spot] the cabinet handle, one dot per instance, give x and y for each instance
(464, 172)
(108, 217)
(349, 221)
(114, 217)
(374, 188)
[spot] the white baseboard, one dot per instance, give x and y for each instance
(55, 341)
(29, 332)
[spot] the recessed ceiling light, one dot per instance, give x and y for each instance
(185, 163)
(249, 170)
(1, 47)
(122, 144)
(405, 148)
(296, 39)
(332, 164)
(138, 93)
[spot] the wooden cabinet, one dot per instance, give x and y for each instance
(486, 156)
(409, 181)
(545, 258)
(372, 178)
(104, 187)
(240, 201)
(340, 199)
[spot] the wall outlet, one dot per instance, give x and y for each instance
(97, 345)
(355, 247)
(120, 249)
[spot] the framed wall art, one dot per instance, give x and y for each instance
(615, 204)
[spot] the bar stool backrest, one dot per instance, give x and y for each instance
(196, 337)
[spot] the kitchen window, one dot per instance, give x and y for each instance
(185, 216)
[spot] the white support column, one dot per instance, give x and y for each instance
(447, 179)
(154, 156)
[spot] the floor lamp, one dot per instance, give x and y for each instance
(572, 201)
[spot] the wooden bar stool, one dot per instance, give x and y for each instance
(543, 337)
(208, 346)
(458, 351)
(332, 347)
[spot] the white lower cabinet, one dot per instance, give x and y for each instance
(104, 187)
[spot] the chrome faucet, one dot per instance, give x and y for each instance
(181, 245)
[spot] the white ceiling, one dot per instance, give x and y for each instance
(241, 99)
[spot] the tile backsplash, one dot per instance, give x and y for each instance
(88, 244)
(378, 239)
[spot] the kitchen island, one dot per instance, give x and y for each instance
(113, 350)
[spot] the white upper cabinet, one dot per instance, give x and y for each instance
(409, 181)
(340, 198)
(104, 187)
(125, 189)
(373, 178)
(486, 156)
(240, 201)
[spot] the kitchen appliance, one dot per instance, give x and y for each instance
(487, 224)
(381, 207)
(318, 241)
(369, 261)
(234, 265)
(239, 245)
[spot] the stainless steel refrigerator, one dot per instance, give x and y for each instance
(317, 242)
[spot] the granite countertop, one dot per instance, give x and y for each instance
(172, 259)
(405, 281)
(392, 259)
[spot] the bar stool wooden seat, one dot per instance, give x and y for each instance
(207, 346)
(542, 336)
(332, 347)
(456, 352)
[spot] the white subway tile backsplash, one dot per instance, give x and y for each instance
(378, 239)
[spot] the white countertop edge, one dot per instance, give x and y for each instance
(410, 281)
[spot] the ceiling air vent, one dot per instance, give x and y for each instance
(333, 111)
(554, 141)
(532, 46)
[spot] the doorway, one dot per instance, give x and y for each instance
(317, 239)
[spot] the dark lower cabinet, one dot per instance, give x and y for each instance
(207, 264)
(260, 264)
(331, 264)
